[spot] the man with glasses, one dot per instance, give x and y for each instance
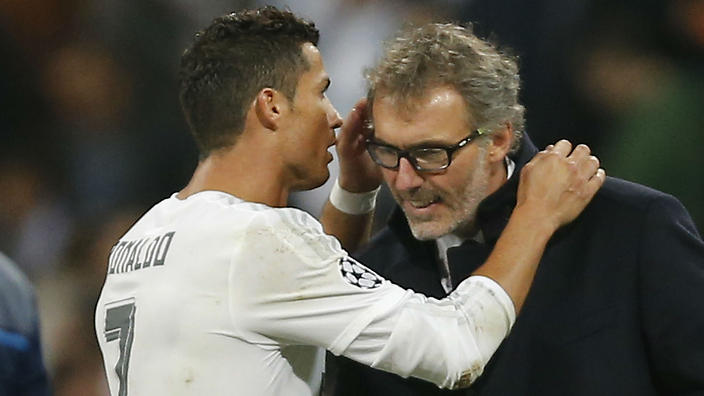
(624, 317)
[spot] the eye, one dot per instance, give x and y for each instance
(323, 92)
(431, 157)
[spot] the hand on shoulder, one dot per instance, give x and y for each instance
(559, 182)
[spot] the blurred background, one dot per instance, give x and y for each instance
(91, 133)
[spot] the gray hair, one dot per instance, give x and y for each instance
(432, 55)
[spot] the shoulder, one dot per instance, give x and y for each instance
(221, 212)
(292, 231)
(284, 222)
(627, 192)
(234, 211)
(286, 218)
(628, 204)
(619, 194)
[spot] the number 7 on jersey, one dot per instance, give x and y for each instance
(119, 325)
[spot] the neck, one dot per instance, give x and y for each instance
(250, 176)
(498, 175)
(468, 230)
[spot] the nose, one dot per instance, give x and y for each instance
(407, 178)
(334, 119)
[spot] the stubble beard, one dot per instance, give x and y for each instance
(459, 219)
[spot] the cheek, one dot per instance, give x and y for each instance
(460, 177)
(323, 131)
(448, 186)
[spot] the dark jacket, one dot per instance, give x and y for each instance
(616, 308)
(22, 370)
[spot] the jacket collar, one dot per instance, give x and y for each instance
(492, 214)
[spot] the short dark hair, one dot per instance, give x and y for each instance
(230, 61)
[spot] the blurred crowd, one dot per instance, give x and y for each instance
(91, 133)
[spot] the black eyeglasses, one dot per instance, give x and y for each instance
(424, 159)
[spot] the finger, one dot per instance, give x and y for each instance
(360, 108)
(367, 124)
(358, 112)
(352, 120)
(361, 105)
(595, 183)
(563, 147)
(549, 147)
(580, 152)
(587, 167)
(353, 125)
(367, 128)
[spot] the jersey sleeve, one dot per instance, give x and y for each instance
(295, 284)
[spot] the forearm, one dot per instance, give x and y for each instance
(351, 230)
(517, 253)
(452, 339)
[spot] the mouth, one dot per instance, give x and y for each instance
(421, 207)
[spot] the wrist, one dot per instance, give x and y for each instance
(354, 203)
(541, 225)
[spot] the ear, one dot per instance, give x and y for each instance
(500, 143)
(269, 106)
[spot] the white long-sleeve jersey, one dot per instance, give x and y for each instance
(202, 294)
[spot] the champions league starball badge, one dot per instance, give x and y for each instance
(359, 275)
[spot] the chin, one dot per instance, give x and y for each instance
(434, 228)
(313, 181)
(427, 231)
(431, 230)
